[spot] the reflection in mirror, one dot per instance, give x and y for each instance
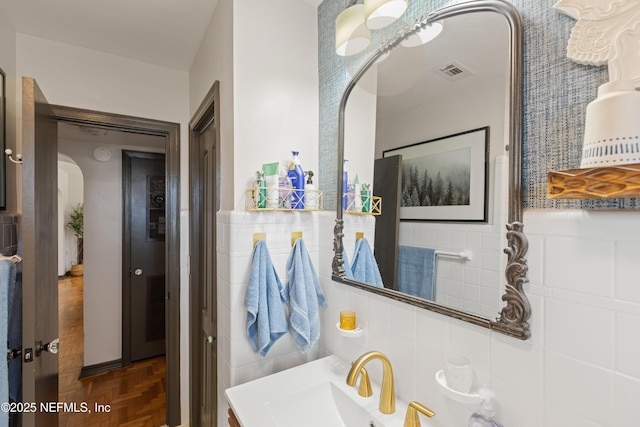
(434, 129)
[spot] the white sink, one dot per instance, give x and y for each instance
(312, 395)
(322, 405)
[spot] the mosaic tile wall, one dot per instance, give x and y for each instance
(556, 93)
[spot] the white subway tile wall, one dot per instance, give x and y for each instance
(580, 366)
(237, 363)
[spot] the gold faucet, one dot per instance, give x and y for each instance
(387, 394)
(412, 418)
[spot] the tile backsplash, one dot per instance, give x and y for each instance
(583, 351)
(237, 363)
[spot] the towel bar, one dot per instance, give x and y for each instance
(463, 255)
(16, 259)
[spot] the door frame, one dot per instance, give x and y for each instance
(39, 234)
(207, 114)
(171, 133)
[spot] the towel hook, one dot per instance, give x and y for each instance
(17, 160)
(257, 237)
(295, 235)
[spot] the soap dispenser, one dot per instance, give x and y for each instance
(296, 174)
(310, 195)
(485, 416)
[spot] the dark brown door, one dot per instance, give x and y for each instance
(145, 194)
(387, 183)
(204, 205)
(40, 253)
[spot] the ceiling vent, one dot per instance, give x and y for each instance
(453, 71)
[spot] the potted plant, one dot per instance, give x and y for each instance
(76, 224)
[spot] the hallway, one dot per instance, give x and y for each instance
(135, 395)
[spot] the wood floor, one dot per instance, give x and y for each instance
(135, 395)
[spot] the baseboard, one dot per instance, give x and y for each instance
(100, 368)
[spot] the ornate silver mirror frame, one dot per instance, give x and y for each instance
(513, 318)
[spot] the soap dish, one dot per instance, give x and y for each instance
(465, 398)
(354, 333)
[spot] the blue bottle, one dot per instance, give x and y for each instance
(345, 186)
(296, 175)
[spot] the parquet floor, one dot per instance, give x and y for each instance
(135, 395)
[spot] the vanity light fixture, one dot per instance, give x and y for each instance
(352, 35)
(381, 13)
(423, 36)
(353, 25)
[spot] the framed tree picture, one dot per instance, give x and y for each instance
(445, 179)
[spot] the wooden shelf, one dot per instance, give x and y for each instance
(594, 183)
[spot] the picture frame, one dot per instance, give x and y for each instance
(445, 179)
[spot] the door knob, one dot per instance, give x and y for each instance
(52, 347)
(210, 339)
(138, 272)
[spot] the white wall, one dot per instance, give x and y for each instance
(267, 66)
(275, 87)
(102, 250)
(84, 78)
(269, 107)
(474, 107)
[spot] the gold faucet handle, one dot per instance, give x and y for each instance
(365, 385)
(412, 419)
(364, 389)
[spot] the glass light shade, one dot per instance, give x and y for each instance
(352, 36)
(423, 36)
(380, 13)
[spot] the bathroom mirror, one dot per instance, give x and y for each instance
(414, 102)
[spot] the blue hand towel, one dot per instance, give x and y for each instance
(266, 319)
(415, 271)
(7, 275)
(305, 298)
(364, 266)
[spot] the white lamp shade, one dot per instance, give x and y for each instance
(380, 13)
(352, 36)
(423, 36)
